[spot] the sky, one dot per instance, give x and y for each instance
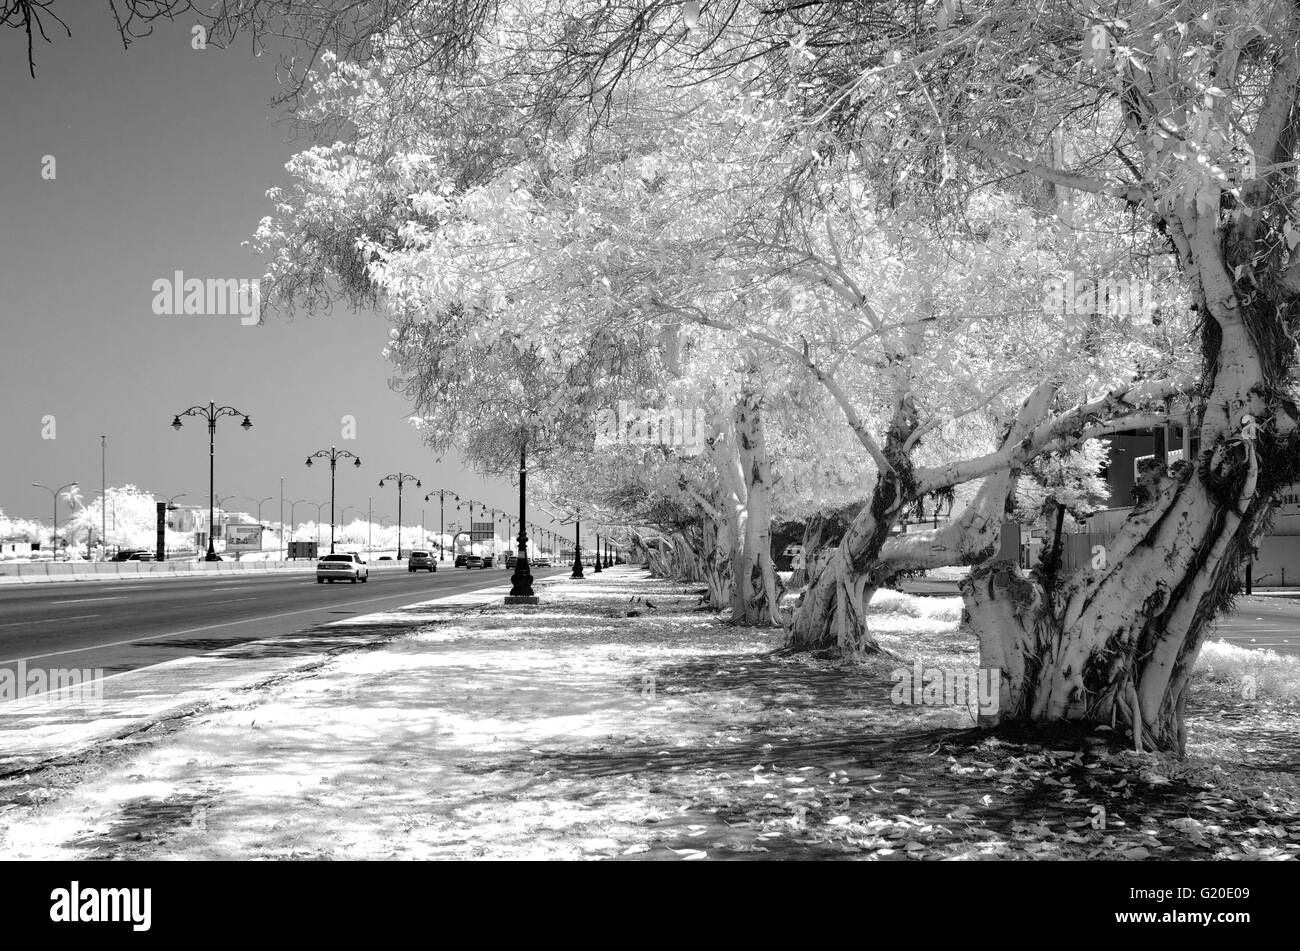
(162, 158)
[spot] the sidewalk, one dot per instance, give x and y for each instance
(119, 710)
(402, 751)
(620, 719)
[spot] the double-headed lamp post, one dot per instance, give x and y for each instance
(259, 503)
(293, 522)
(442, 503)
(54, 532)
(334, 455)
(469, 504)
(212, 412)
(400, 478)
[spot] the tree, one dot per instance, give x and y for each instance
(1186, 114)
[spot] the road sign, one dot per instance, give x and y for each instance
(481, 531)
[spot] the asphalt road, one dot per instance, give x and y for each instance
(124, 625)
(1261, 622)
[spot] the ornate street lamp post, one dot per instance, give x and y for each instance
(442, 501)
(401, 479)
(333, 455)
(521, 582)
(469, 504)
(577, 550)
(211, 413)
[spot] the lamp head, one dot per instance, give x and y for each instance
(247, 423)
(176, 422)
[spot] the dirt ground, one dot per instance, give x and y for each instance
(622, 720)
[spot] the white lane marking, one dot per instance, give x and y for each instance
(206, 627)
(79, 617)
(84, 600)
(228, 601)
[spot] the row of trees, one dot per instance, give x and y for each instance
(889, 254)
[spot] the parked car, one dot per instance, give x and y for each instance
(487, 561)
(541, 561)
(130, 554)
(460, 560)
(421, 560)
(385, 557)
(141, 556)
(342, 567)
(473, 561)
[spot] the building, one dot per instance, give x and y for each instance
(1277, 562)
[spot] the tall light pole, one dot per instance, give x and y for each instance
(221, 507)
(401, 479)
(470, 503)
(319, 506)
(282, 518)
(54, 532)
(171, 507)
(333, 455)
(211, 413)
(577, 549)
(597, 569)
(442, 501)
(293, 506)
(499, 516)
(521, 582)
(370, 525)
(259, 503)
(103, 493)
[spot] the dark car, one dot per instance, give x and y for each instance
(460, 560)
(473, 561)
(421, 560)
(132, 554)
(487, 561)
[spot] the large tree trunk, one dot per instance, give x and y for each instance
(832, 613)
(1115, 643)
(716, 564)
(754, 592)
